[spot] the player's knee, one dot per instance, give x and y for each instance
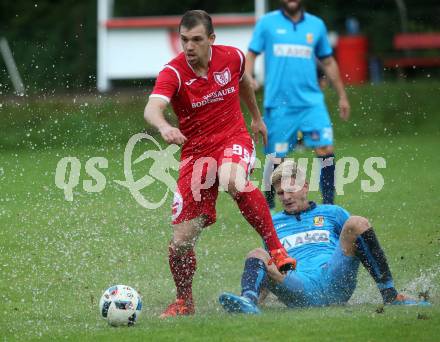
(258, 253)
(358, 224)
(182, 246)
(185, 235)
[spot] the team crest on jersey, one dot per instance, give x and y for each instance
(309, 38)
(223, 77)
(177, 205)
(318, 221)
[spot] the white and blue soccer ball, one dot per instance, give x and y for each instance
(120, 305)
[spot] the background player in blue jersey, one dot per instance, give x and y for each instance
(292, 41)
(328, 244)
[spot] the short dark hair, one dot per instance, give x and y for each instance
(196, 17)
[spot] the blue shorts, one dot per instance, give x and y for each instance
(283, 124)
(333, 283)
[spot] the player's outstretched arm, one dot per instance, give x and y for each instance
(331, 69)
(247, 95)
(153, 114)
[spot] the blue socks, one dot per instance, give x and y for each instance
(327, 178)
(373, 258)
(253, 276)
(269, 167)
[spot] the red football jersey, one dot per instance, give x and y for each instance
(207, 107)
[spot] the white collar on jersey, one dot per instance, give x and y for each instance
(312, 205)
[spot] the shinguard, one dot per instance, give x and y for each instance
(327, 178)
(370, 253)
(253, 276)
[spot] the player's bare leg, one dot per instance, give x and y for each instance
(353, 228)
(327, 179)
(182, 261)
(253, 206)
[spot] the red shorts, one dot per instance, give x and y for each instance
(197, 186)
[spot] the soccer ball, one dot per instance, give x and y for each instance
(120, 305)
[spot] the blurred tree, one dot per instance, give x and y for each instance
(172, 7)
(54, 41)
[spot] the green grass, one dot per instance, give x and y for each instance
(38, 122)
(57, 257)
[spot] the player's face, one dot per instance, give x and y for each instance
(196, 44)
(292, 7)
(293, 196)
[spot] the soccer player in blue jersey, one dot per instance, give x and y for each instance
(293, 41)
(328, 244)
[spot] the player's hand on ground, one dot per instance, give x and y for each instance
(344, 108)
(259, 127)
(172, 135)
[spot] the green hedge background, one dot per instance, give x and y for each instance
(54, 42)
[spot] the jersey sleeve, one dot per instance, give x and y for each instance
(257, 44)
(242, 63)
(341, 216)
(323, 48)
(167, 84)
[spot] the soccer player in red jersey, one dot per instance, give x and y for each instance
(204, 85)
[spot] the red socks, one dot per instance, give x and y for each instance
(255, 210)
(182, 268)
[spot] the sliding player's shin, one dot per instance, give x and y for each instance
(373, 258)
(253, 276)
(327, 178)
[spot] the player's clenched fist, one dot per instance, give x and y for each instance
(172, 135)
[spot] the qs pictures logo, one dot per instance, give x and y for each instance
(68, 171)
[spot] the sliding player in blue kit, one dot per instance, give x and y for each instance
(293, 41)
(328, 244)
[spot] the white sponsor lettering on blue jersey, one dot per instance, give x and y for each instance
(312, 236)
(290, 52)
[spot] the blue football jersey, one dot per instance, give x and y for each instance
(312, 236)
(290, 51)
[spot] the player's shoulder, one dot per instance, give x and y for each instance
(330, 209)
(228, 54)
(282, 220)
(270, 17)
(178, 62)
(278, 216)
(177, 67)
(226, 50)
(175, 71)
(313, 19)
